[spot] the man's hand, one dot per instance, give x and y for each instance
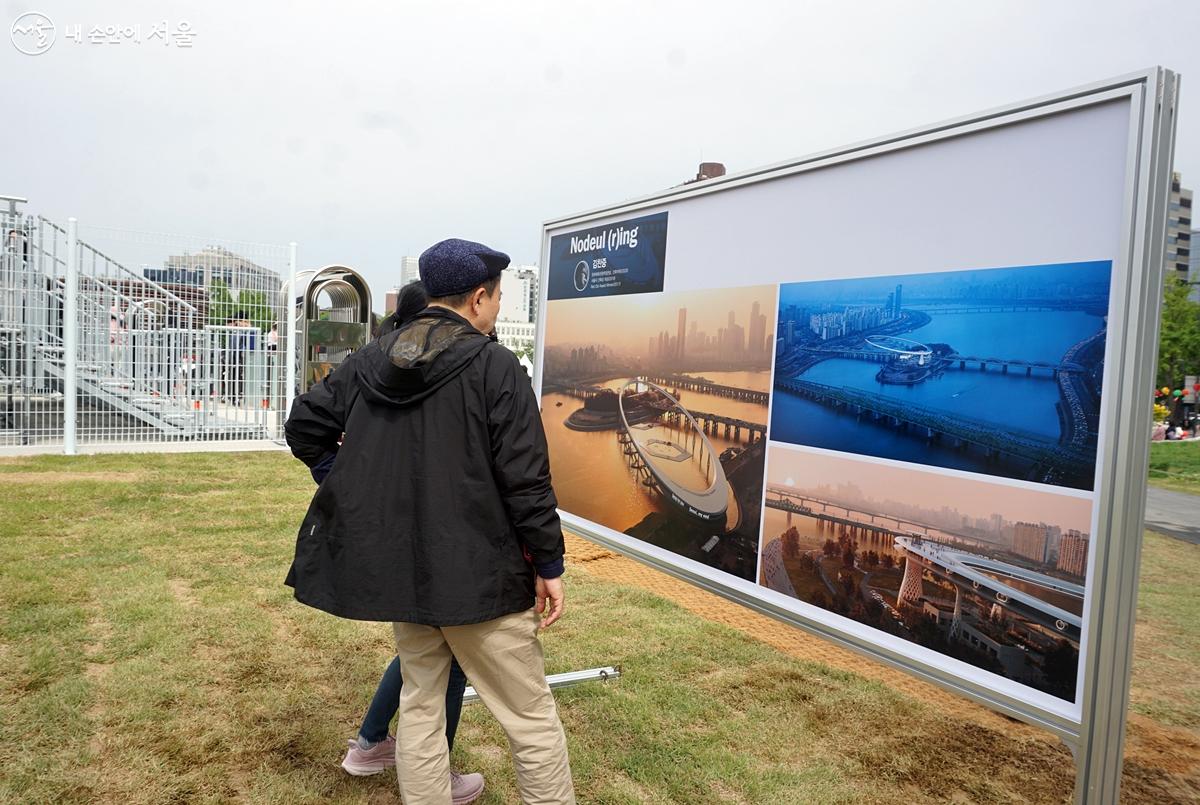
(549, 591)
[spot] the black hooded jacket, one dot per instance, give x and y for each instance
(440, 486)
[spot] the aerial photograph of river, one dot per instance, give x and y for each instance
(995, 371)
(655, 411)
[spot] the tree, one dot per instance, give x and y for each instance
(791, 543)
(889, 561)
(258, 310)
(1179, 336)
(254, 305)
(525, 352)
(221, 304)
(830, 548)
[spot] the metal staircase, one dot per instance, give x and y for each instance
(148, 365)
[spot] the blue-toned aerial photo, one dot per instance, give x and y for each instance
(994, 371)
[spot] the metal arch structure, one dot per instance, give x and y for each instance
(332, 319)
(1093, 726)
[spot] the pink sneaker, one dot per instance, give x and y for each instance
(365, 762)
(465, 788)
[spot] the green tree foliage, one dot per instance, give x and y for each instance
(223, 306)
(1179, 336)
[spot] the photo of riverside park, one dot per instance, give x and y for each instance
(995, 371)
(990, 574)
(655, 409)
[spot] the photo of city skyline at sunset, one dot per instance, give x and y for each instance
(996, 371)
(655, 409)
(988, 573)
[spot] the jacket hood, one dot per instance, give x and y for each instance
(407, 365)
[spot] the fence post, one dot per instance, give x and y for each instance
(71, 339)
(290, 313)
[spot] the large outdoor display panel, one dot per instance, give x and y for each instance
(887, 394)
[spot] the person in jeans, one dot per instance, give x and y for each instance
(438, 515)
(374, 750)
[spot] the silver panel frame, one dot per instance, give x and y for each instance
(1096, 737)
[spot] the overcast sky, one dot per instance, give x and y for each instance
(367, 131)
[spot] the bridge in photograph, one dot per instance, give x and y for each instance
(989, 579)
(689, 383)
(961, 430)
(789, 500)
(968, 571)
(1095, 305)
(713, 424)
(953, 360)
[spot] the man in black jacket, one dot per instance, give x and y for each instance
(438, 515)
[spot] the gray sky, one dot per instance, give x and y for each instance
(367, 131)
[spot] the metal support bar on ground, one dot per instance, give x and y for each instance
(566, 680)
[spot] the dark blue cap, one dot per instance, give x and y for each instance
(456, 266)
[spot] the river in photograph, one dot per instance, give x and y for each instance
(1009, 401)
(591, 476)
(712, 404)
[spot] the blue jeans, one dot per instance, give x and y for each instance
(386, 702)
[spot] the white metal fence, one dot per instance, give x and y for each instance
(111, 338)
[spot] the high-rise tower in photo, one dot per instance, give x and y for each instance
(758, 324)
(682, 337)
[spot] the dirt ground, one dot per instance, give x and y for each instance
(1162, 763)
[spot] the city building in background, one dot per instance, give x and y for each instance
(410, 270)
(215, 263)
(1179, 231)
(519, 288)
(1194, 263)
(516, 327)
(517, 335)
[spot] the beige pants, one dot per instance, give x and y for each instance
(503, 660)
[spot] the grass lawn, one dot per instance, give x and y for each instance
(150, 653)
(1175, 465)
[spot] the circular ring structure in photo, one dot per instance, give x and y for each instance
(901, 347)
(697, 496)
